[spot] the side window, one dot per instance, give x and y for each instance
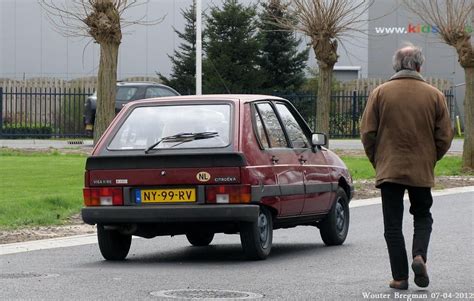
(272, 125)
(166, 92)
(295, 133)
(126, 93)
(260, 130)
(158, 92)
(152, 92)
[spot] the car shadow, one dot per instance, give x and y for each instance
(217, 254)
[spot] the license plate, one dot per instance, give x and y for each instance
(89, 127)
(177, 195)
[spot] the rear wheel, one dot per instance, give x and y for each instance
(112, 244)
(200, 239)
(256, 237)
(335, 226)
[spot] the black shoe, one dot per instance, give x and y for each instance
(421, 275)
(399, 284)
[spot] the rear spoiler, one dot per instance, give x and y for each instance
(166, 161)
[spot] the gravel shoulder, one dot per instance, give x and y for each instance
(74, 226)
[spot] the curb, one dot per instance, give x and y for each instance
(435, 193)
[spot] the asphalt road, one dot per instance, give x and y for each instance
(300, 267)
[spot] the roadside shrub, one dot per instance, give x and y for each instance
(19, 131)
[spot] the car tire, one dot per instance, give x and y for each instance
(335, 226)
(112, 244)
(256, 237)
(200, 238)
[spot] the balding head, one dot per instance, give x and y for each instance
(408, 58)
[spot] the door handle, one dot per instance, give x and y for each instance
(302, 160)
(275, 160)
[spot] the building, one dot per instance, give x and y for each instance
(390, 25)
(31, 48)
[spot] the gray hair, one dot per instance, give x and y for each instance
(408, 58)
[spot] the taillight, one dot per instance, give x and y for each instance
(104, 196)
(228, 194)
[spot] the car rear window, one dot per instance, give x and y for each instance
(148, 125)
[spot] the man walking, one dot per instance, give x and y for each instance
(405, 130)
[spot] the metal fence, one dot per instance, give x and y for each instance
(346, 110)
(58, 113)
(42, 112)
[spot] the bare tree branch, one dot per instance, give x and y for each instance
(451, 17)
(103, 21)
(325, 22)
(69, 17)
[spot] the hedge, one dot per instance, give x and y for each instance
(26, 131)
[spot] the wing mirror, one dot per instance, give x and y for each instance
(319, 139)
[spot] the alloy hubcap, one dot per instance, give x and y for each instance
(263, 228)
(340, 217)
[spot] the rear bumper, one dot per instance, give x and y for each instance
(170, 214)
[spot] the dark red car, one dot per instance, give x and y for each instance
(200, 165)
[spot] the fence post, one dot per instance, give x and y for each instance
(354, 113)
(1, 112)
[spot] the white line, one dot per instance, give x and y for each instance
(86, 239)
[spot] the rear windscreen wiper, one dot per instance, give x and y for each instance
(182, 138)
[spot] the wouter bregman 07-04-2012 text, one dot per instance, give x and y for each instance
(419, 296)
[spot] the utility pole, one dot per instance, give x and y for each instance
(198, 47)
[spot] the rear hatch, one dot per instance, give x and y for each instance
(169, 179)
(170, 152)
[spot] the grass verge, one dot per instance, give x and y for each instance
(39, 188)
(361, 168)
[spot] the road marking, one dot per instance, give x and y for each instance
(79, 240)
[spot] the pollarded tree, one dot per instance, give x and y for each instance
(232, 49)
(281, 63)
(101, 20)
(325, 22)
(183, 75)
(454, 18)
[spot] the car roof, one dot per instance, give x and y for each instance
(139, 84)
(134, 84)
(209, 97)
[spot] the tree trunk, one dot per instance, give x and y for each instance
(468, 149)
(325, 50)
(323, 104)
(106, 88)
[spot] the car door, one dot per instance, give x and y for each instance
(286, 166)
(312, 162)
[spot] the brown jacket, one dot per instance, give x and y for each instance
(405, 129)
